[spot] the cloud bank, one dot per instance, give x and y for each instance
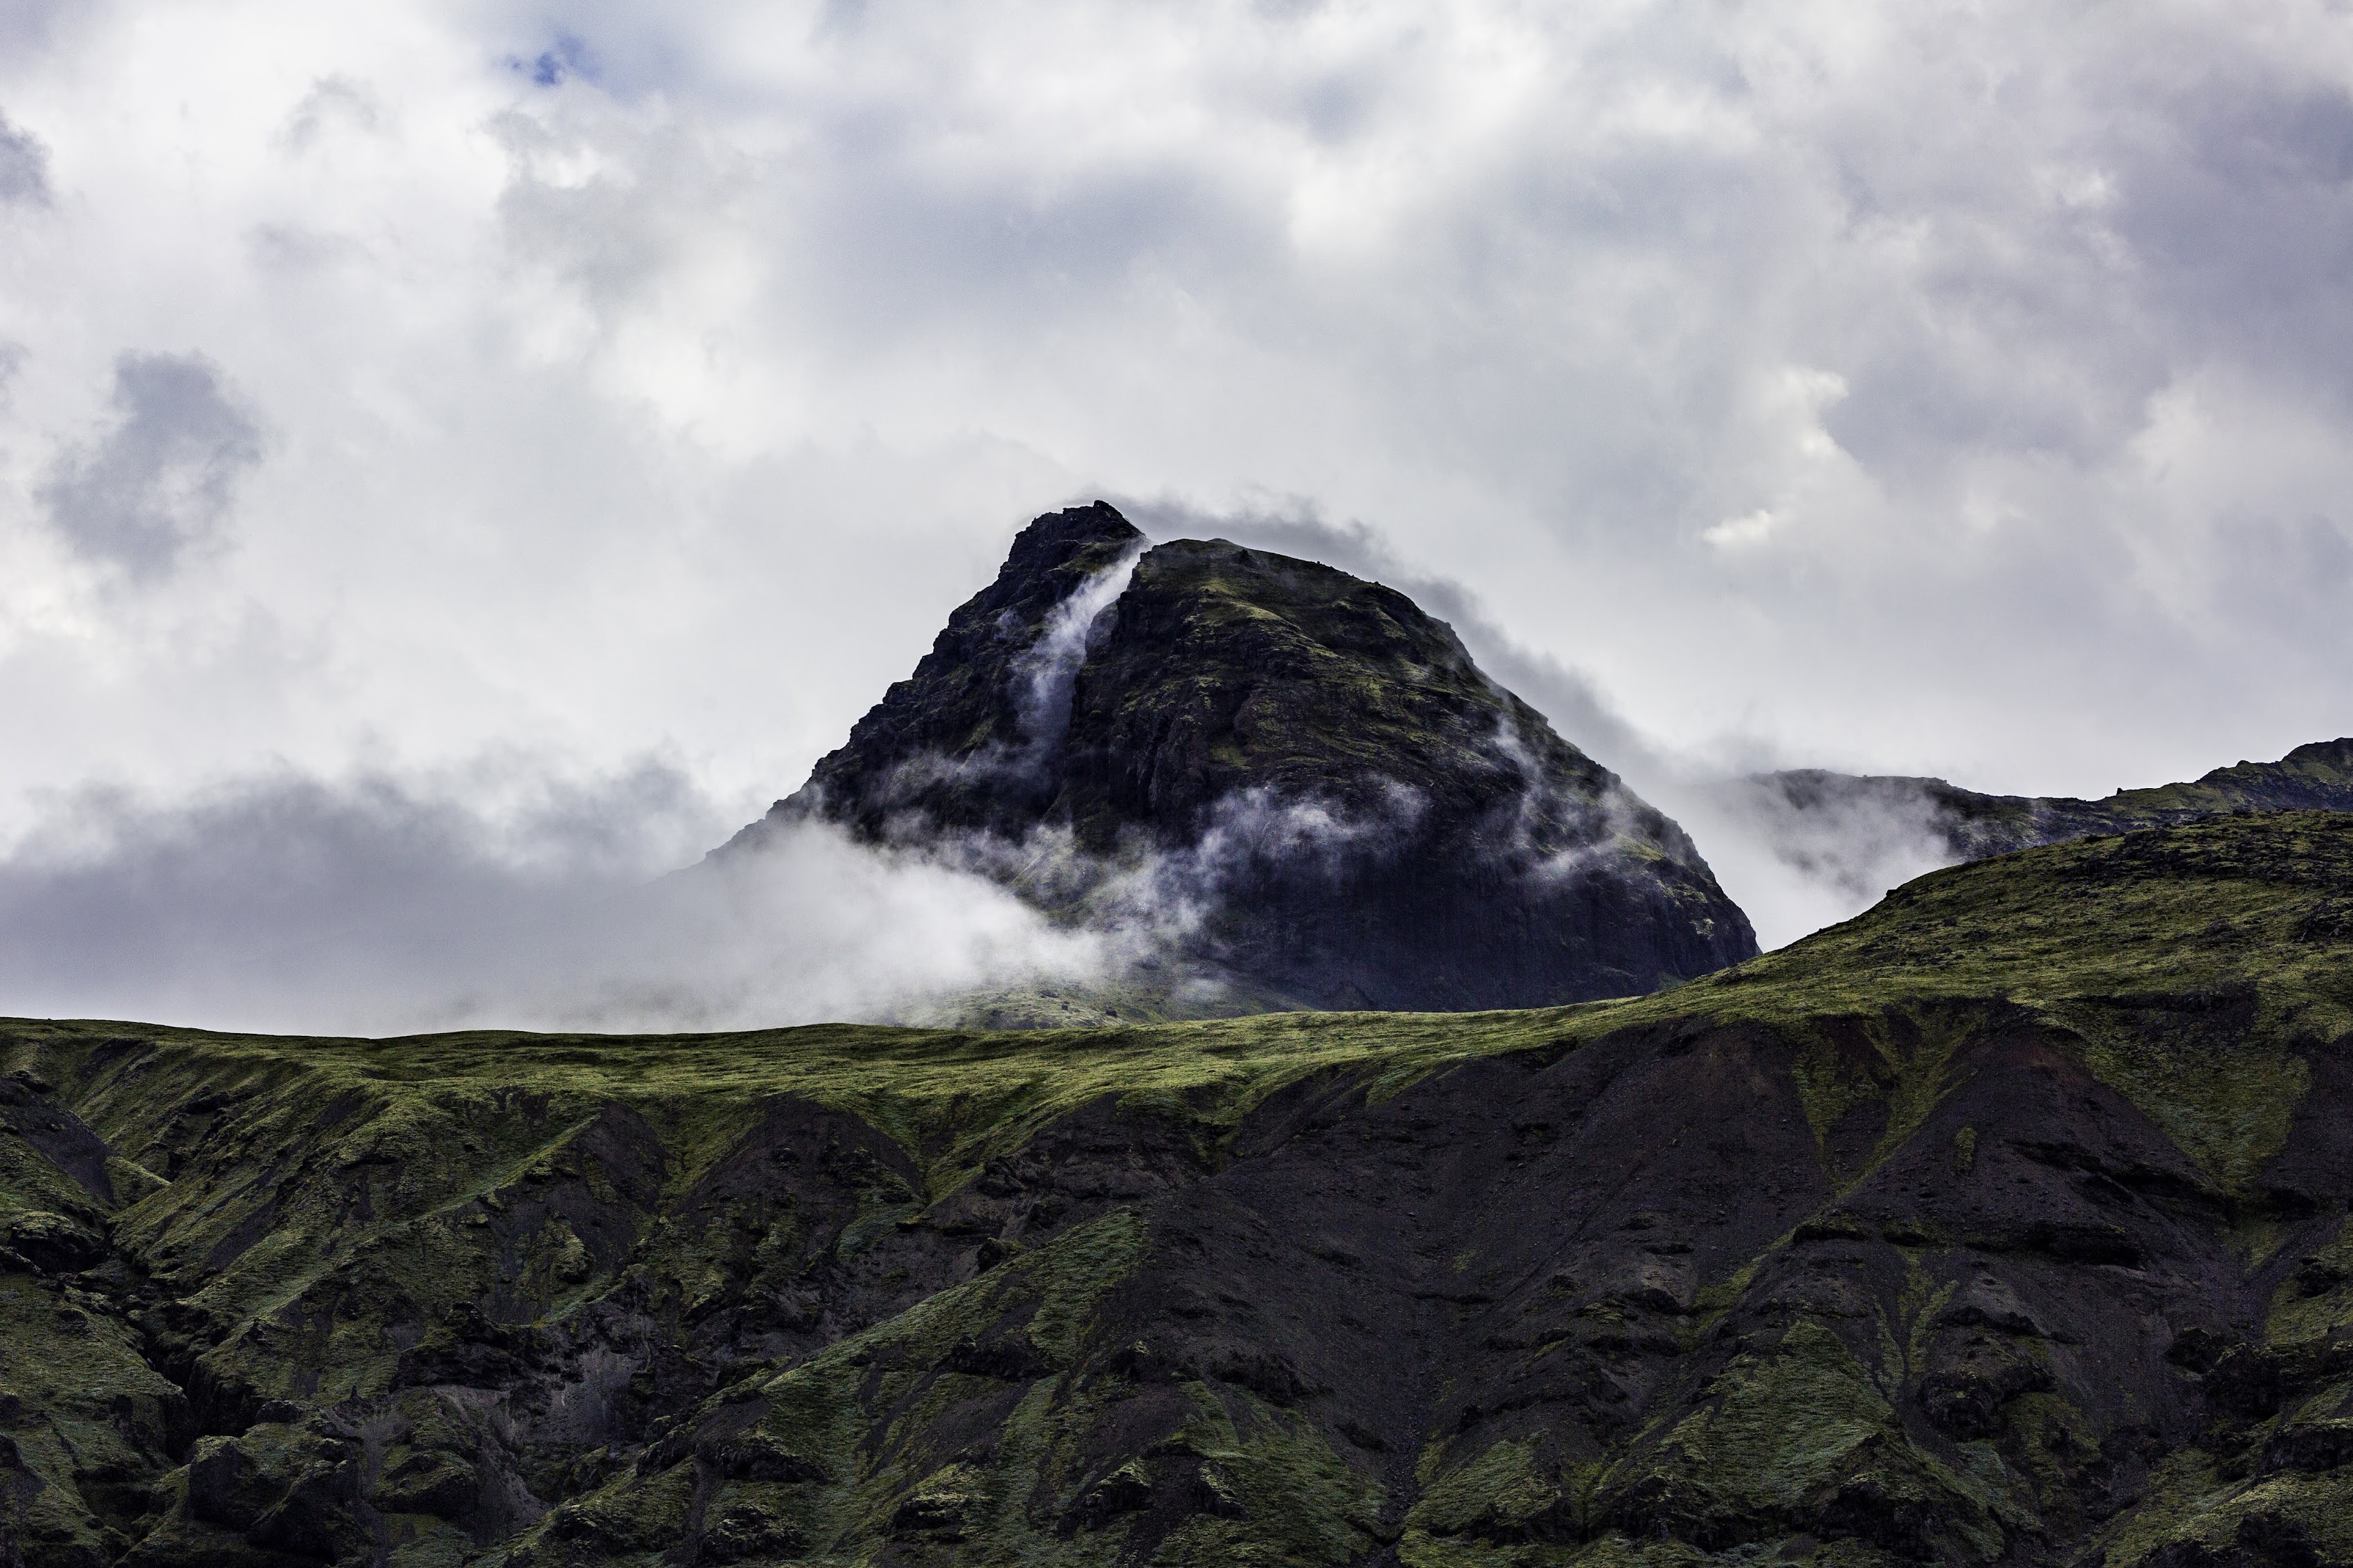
(375, 906)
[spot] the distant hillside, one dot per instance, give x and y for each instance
(2006, 1225)
(1292, 786)
(1834, 822)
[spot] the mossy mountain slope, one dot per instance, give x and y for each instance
(2008, 1223)
(2314, 777)
(1293, 778)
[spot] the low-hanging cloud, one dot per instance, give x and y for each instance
(380, 905)
(161, 481)
(1801, 858)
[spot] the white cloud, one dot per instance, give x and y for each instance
(1735, 532)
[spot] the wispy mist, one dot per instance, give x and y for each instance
(380, 905)
(1796, 870)
(1049, 668)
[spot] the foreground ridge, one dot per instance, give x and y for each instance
(2008, 1222)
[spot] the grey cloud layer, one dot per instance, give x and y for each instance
(382, 906)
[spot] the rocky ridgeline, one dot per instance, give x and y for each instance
(1290, 787)
(2007, 1224)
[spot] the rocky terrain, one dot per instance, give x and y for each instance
(2006, 1224)
(1971, 826)
(1290, 787)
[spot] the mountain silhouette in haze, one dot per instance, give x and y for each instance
(1866, 830)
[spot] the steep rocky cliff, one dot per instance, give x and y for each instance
(2007, 1223)
(1280, 774)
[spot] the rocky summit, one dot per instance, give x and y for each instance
(2010, 1224)
(1292, 784)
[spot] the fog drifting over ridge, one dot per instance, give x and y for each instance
(371, 906)
(1961, 390)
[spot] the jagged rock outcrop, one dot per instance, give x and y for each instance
(1300, 781)
(2009, 1223)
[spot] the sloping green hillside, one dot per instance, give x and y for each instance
(2010, 1221)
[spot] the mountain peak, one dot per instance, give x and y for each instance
(1300, 777)
(1078, 534)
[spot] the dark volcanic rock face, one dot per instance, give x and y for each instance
(972, 741)
(1301, 777)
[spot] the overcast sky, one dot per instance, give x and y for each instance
(498, 401)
